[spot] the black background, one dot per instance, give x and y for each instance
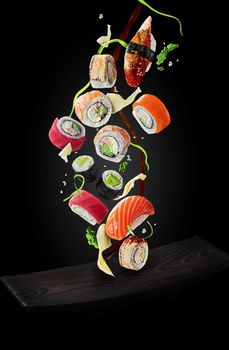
(47, 58)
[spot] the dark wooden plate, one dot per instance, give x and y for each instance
(170, 267)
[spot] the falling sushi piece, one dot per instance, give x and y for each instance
(112, 142)
(102, 71)
(93, 109)
(139, 54)
(85, 165)
(133, 211)
(133, 253)
(110, 184)
(118, 102)
(65, 152)
(67, 130)
(88, 207)
(151, 114)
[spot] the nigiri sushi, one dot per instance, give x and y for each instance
(133, 211)
(133, 253)
(102, 71)
(67, 130)
(139, 54)
(88, 207)
(93, 109)
(112, 142)
(151, 114)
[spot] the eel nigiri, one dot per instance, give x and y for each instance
(139, 54)
(133, 211)
(67, 130)
(93, 109)
(151, 114)
(88, 207)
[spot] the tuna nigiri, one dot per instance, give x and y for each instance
(151, 114)
(89, 207)
(139, 54)
(93, 109)
(133, 211)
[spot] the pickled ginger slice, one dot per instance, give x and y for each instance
(65, 152)
(118, 102)
(104, 242)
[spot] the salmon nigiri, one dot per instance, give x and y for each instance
(139, 54)
(133, 211)
(151, 114)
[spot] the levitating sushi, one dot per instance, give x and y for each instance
(110, 184)
(85, 165)
(67, 130)
(88, 207)
(112, 142)
(151, 114)
(133, 211)
(93, 109)
(133, 253)
(102, 71)
(139, 54)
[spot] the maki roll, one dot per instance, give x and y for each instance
(85, 165)
(151, 114)
(88, 207)
(102, 71)
(93, 109)
(110, 184)
(67, 130)
(133, 253)
(112, 142)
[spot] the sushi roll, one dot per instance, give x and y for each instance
(93, 109)
(151, 114)
(85, 165)
(110, 184)
(102, 71)
(133, 253)
(67, 130)
(133, 211)
(139, 54)
(88, 207)
(112, 142)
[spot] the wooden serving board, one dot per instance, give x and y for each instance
(170, 267)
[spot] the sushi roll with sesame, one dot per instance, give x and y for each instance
(85, 165)
(112, 142)
(93, 109)
(67, 130)
(102, 71)
(110, 184)
(133, 253)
